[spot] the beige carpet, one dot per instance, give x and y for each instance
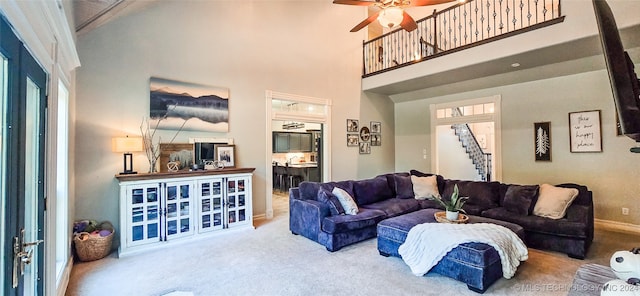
(271, 261)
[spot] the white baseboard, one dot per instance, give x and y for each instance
(616, 226)
(63, 281)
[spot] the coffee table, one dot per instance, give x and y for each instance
(476, 264)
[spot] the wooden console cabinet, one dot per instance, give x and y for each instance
(160, 208)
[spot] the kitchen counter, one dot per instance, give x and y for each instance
(304, 165)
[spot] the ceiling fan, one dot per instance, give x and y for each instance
(391, 13)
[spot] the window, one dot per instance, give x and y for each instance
(62, 181)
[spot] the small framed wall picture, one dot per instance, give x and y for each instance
(585, 132)
(542, 141)
(353, 140)
(365, 148)
(226, 154)
(376, 127)
(376, 140)
(365, 135)
(352, 125)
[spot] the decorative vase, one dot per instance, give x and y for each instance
(152, 166)
(452, 216)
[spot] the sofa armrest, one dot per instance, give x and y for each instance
(305, 216)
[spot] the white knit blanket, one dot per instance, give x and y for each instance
(428, 243)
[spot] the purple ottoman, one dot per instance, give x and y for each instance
(476, 264)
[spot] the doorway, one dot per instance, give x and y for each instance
(466, 139)
(22, 155)
(298, 140)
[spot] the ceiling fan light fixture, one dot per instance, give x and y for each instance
(391, 17)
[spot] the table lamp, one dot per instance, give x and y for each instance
(127, 145)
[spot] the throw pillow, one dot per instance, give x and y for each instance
(403, 186)
(553, 201)
(425, 187)
(346, 200)
(332, 201)
(519, 199)
(439, 178)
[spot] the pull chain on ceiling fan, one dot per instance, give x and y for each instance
(391, 13)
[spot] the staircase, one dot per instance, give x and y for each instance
(481, 160)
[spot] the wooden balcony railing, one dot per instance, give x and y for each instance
(456, 28)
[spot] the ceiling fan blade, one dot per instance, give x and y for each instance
(366, 22)
(426, 2)
(407, 22)
(355, 2)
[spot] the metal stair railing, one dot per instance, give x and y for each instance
(480, 159)
(458, 27)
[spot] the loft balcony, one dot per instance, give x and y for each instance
(488, 40)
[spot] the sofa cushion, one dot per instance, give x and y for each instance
(309, 190)
(331, 200)
(430, 204)
(473, 209)
(520, 199)
(395, 206)
(575, 228)
(344, 223)
(553, 201)
(440, 179)
(403, 186)
(371, 190)
(425, 187)
(485, 195)
(346, 200)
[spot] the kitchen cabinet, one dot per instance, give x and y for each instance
(161, 208)
(284, 142)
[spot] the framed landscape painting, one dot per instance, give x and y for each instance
(175, 105)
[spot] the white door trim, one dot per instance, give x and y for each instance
(495, 117)
(312, 118)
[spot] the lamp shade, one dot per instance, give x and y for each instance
(391, 16)
(126, 144)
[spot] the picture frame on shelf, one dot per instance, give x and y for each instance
(376, 127)
(585, 131)
(226, 154)
(352, 125)
(179, 153)
(542, 141)
(353, 140)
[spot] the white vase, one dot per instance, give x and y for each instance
(452, 216)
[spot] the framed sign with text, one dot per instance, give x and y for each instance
(585, 132)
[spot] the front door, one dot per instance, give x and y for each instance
(22, 138)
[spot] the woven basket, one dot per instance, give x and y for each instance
(442, 218)
(92, 247)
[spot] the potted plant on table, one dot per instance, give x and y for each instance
(452, 206)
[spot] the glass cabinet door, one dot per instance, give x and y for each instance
(238, 193)
(143, 207)
(210, 209)
(178, 201)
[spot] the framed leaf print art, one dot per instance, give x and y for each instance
(542, 140)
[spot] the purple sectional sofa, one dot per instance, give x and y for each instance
(391, 195)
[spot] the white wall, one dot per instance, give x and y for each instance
(247, 46)
(453, 159)
(612, 174)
